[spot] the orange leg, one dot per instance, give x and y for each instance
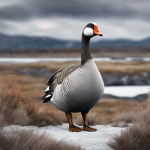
(85, 124)
(72, 127)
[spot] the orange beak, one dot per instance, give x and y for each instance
(96, 31)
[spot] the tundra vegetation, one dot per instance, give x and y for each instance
(20, 105)
(138, 135)
(20, 108)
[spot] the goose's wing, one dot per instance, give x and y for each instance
(57, 79)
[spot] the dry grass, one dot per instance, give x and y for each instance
(38, 84)
(20, 108)
(141, 111)
(76, 52)
(28, 140)
(33, 84)
(137, 137)
(129, 68)
(92, 119)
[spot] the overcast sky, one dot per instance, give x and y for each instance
(65, 19)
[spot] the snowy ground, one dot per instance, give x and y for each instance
(89, 140)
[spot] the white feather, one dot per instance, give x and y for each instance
(48, 96)
(47, 89)
(88, 31)
(51, 99)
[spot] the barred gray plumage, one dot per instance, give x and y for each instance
(57, 79)
(80, 89)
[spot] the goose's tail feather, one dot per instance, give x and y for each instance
(48, 95)
(46, 98)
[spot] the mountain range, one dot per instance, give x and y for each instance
(27, 42)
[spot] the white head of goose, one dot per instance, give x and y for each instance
(77, 88)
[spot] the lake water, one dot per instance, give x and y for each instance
(31, 60)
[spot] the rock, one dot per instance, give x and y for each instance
(36, 72)
(141, 97)
(109, 111)
(42, 124)
(112, 79)
(114, 124)
(122, 124)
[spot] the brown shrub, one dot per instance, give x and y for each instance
(18, 107)
(64, 118)
(25, 140)
(125, 116)
(19, 117)
(2, 120)
(142, 111)
(137, 137)
(45, 115)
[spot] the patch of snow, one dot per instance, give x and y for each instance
(31, 60)
(126, 91)
(89, 140)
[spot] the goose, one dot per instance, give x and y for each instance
(77, 88)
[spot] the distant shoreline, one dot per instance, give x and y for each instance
(11, 60)
(76, 52)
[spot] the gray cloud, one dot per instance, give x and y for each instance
(71, 28)
(28, 9)
(66, 18)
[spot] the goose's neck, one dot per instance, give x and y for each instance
(85, 53)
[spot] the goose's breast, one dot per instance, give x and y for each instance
(84, 85)
(87, 83)
(82, 89)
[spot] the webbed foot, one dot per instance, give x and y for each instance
(75, 129)
(89, 129)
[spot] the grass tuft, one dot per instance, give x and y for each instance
(138, 135)
(20, 108)
(28, 140)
